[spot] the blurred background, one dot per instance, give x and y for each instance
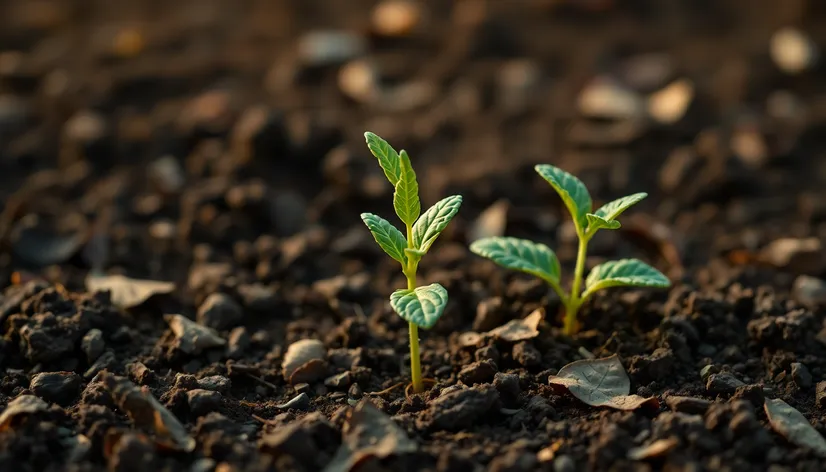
(138, 136)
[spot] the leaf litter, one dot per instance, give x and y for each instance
(600, 382)
(126, 292)
(791, 424)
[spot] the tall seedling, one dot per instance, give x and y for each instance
(421, 307)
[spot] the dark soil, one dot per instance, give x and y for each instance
(197, 143)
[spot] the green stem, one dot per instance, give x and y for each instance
(415, 362)
(574, 301)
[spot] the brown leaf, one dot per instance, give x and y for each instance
(792, 425)
(22, 405)
(126, 292)
(368, 433)
(147, 413)
(600, 382)
(519, 330)
(192, 337)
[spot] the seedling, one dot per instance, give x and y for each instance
(539, 260)
(421, 307)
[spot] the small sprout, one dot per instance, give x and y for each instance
(421, 307)
(539, 260)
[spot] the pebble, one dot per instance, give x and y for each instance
(203, 401)
(238, 342)
(342, 380)
(258, 297)
(396, 17)
(478, 372)
(820, 394)
(792, 50)
(192, 338)
(215, 383)
(507, 384)
(56, 387)
(749, 145)
(167, 174)
(219, 311)
(304, 361)
(605, 98)
(809, 291)
(669, 105)
(330, 47)
(92, 344)
(288, 212)
(359, 80)
(487, 353)
(723, 383)
(801, 375)
(564, 464)
(526, 354)
(690, 405)
(491, 222)
(799, 255)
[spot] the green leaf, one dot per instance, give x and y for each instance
(388, 236)
(422, 306)
(596, 222)
(434, 221)
(625, 272)
(571, 189)
(406, 198)
(520, 254)
(387, 156)
(612, 210)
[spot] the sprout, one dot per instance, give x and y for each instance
(539, 260)
(421, 307)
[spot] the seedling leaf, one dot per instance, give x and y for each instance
(625, 272)
(387, 156)
(612, 210)
(406, 198)
(596, 222)
(386, 235)
(520, 254)
(791, 424)
(434, 221)
(422, 306)
(571, 190)
(599, 382)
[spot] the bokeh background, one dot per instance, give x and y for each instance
(128, 129)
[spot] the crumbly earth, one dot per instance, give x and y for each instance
(218, 145)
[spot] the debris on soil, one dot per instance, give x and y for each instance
(126, 292)
(600, 382)
(192, 338)
(22, 405)
(792, 425)
(304, 362)
(519, 329)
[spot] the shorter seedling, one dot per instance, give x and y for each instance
(539, 260)
(421, 307)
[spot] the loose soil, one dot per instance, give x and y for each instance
(198, 143)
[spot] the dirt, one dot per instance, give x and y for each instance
(212, 146)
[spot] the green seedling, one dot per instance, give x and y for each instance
(539, 260)
(421, 307)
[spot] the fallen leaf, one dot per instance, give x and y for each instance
(126, 292)
(600, 382)
(519, 330)
(791, 424)
(657, 448)
(193, 338)
(147, 413)
(368, 433)
(22, 405)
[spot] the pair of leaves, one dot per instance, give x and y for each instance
(539, 260)
(579, 204)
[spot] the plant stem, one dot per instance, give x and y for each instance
(415, 363)
(572, 307)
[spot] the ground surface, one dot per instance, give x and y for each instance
(197, 143)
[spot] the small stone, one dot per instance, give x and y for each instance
(396, 17)
(258, 297)
(723, 383)
(56, 387)
(749, 145)
(490, 223)
(793, 50)
(215, 383)
(809, 291)
(690, 405)
(203, 401)
(304, 361)
(753, 394)
(92, 344)
(238, 342)
(359, 80)
(801, 375)
(803, 256)
(329, 47)
(487, 353)
(820, 394)
(507, 384)
(478, 372)
(341, 380)
(489, 314)
(167, 174)
(526, 354)
(669, 105)
(564, 464)
(288, 212)
(191, 337)
(219, 311)
(606, 98)
(185, 381)
(301, 388)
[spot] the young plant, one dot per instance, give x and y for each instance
(421, 307)
(539, 260)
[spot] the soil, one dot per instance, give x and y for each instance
(218, 145)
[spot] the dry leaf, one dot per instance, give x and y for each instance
(22, 405)
(193, 338)
(368, 432)
(600, 382)
(126, 292)
(658, 448)
(147, 413)
(521, 329)
(792, 425)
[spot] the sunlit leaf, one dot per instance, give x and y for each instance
(406, 199)
(625, 272)
(596, 222)
(386, 235)
(571, 190)
(422, 306)
(434, 221)
(520, 254)
(387, 156)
